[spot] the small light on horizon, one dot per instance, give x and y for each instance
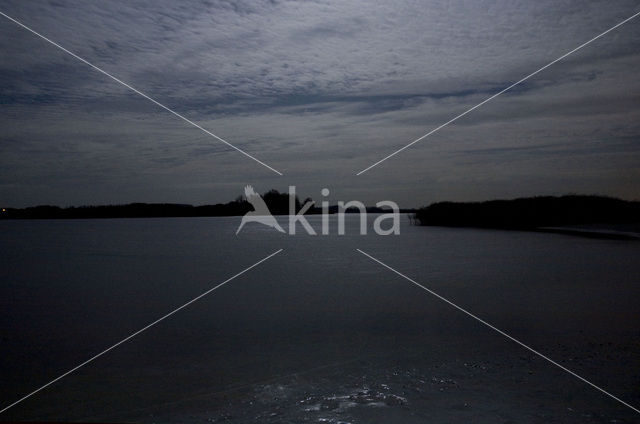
(4, 210)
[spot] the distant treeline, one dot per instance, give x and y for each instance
(531, 212)
(277, 202)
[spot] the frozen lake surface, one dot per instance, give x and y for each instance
(318, 333)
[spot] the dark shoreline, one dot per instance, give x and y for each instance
(603, 233)
(595, 234)
(278, 204)
(575, 215)
(585, 216)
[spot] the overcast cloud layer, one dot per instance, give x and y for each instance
(319, 90)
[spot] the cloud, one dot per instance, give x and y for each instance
(317, 89)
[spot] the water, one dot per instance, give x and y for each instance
(318, 333)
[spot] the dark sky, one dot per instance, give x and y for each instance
(318, 90)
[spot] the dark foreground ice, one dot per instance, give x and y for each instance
(319, 333)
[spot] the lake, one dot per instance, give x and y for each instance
(319, 332)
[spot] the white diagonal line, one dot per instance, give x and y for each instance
(497, 94)
(187, 120)
(140, 331)
(500, 331)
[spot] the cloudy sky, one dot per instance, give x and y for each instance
(318, 90)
